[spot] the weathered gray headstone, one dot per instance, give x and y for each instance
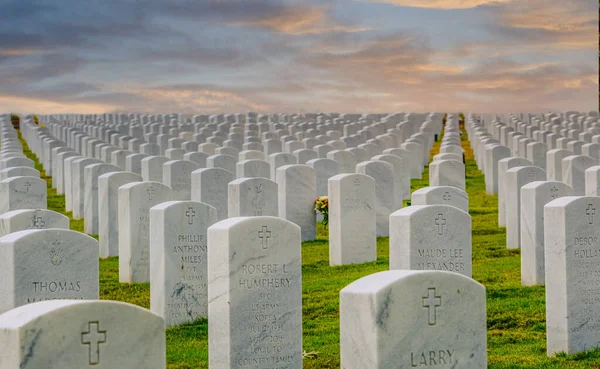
(413, 319)
(297, 192)
(572, 241)
(252, 197)
(352, 219)
(21, 220)
(431, 237)
(178, 260)
(534, 196)
(108, 219)
(255, 294)
(81, 334)
(22, 193)
(135, 200)
(47, 264)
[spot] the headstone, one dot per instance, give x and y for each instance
(413, 319)
(516, 178)
(441, 195)
(554, 163)
(386, 197)
(177, 174)
(534, 196)
(178, 260)
(108, 219)
(253, 168)
(447, 173)
(47, 264)
(255, 294)
(324, 169)
(18, 172)
(135, 200)
(503, 166)
(91, 205)
(81, 334)
(152, 168)
(431, 237)
(297, 192)
(252, 197)
(493, 154)
(592, 181)
(209, 185)
(78, 185)
(573, 172)
(352, 219)
(21, 220)
(18, 193)
(572, 239)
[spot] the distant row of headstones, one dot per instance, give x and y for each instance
(547, 176)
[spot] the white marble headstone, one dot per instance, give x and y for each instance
(413, 319)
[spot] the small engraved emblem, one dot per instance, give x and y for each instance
(38, 222)
(430, 302)
(590, 212)
(447, 196)
(531, 174)
(150, 191)
(357, 182)
(93, 338)
(554, 192)
(440, 221)
(190, 213)
(56, 254)
(264, 235)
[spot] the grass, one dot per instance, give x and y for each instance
(515, 314)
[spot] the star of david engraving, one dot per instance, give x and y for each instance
(554, 192)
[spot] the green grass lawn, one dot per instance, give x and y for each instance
(515, 314)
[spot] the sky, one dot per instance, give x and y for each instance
(346, 56)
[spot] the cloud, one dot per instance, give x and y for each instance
(300, 20)
(444, 4)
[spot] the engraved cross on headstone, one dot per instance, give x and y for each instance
(440, 221)
(150, 191)
(27, 185)
(264, 235)
(38, 222)
(431, 301)
(590, 212)
(93, 338)
(190, 213)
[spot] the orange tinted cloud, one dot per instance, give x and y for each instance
(42, 106)
(300, 20)
(443, 4)
(194, 99)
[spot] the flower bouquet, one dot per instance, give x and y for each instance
(322, 206)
